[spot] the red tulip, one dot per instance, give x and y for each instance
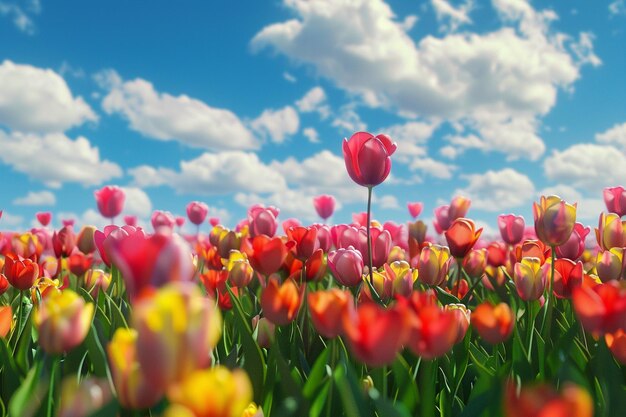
(266, 254)
(567, 276)
(197, 212)
(615, 200)
(324, 237)
(532, 249)
(64, 242)
(415, 209)
(327, 308)
(281, 302)
(305, 239)
(367, 158)
(214, 282)
(461, 237)
(103, 239)
(602, 308)
(315, 266)
(4, 284)
(180, 221)
(617, 344)
(324, 205)
(511, 228)
(6, 320)
(21, 273)
(214, 221)
(374, 334)
(79, 263)
(110, 200)
(544, 401)
(493, 323)
(44, 217)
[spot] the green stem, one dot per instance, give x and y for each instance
(369, 240)
(550, 300)
(428, 381)
(531, 329)
(52, 387)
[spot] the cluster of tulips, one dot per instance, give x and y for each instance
(356, 319)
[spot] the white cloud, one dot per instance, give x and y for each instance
(137, 202)
(387, 202)
(55, 158)
(490, 82)
(311, 135)
(498, 190)
(432, 167)
(616, 135)
(292, 203)
(314, 100)
(411, 138)
(347, 120)
(277, 124)
(584, 49)
(36, 198)
(450, 16)
(22, 16)
(38, 100)
(214, 173)
(618, 7)
(588, 166)
(9, 220)
(289, 77)
(163, 116)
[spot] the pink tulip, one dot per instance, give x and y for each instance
(381, 245)
(615, 200)
(44, 217)
(323, 236)
(110, 200)
(289, 223)
(360, 219)
(262, 220)
(180, 221)
(197, 212)
(347, 266)
(441, 221)
(458, 207)
(554, 220)
(511, 228)
(103, 239)
(214, 221)
(575, 245)
(67, 222)
(130, 220)
(162, 219)
(324, 205)
(415, 209)
(367, 158)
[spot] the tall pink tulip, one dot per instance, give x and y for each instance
(262, 220)
(367, 158)
(415, 209)
(110, 200)
(162, 219)
(511, 228)
(197, 212)
(44, 217)
(324, 205)
(615, 200)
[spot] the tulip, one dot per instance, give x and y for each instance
(396, 231)
(381, 245)
(265, 331)
(6, 320)
(442, 220)
(374, 334)
(497, 254)
(4, 284)
(532, 249)
(324, 237)
(197, 212)
(227, 241)
(461, 236)
(616, 342)
(511, 228)
(462, 319)
(324, 205)
(554, 220)
(434, 330)
(130, 221)
(240, 272)
(21, 273)
(351, 236)
(401, 276)
(252, 410)
(610, 264)
(84, 240)
(68, 222)
(214, 282)
(289, 223)
(44, 217)
(104, 240)
(601, 309)
(315, 266)
(433, 264)
(215, 392)
(305, 239)
(383, 285)
(544, 401)
(611, 231)
(133, 388)
(475, 262)
(326, 309)
(347, 266)
(214, 221)
(84, 398)
(162, 219)
(493, 323)
(177, 328)
(262, 220)
(79, 263)
(458, 208)
(359, 219)
(62, 320)
(615, 200)
(110, 200)
(64, 242)
(266, 254)
(575, 245)
(28, 245)
(415, 209)
(281, 303)
(567, 276)
(180, 221)
(96, 280)
(367, 158)
(529, 279)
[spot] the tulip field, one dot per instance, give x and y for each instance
(283, 318)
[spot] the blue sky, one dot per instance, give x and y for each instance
(233, 103)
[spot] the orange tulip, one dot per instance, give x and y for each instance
(281, 303)
(266, 254)
(327, 309)
(6, 320)
(461, 237)
(602, 308)
(567, 276)
(493, 323)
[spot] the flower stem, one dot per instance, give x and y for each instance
(369, 240)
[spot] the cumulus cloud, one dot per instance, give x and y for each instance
(463, 77)
(10, 221)
(588, 209)
(36, 198)
(616, 135)
(311, 135)
(387, 202)
(21, 13)
(452, 17)
(165, 117)
(213, 173)
(54, 159)
(314, 100)
(617, 7)
(137, 202)
(277, 125)
(498, 190)
(39, 100)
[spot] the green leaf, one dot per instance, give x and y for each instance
(317, 376)
(10, 374)
(27, 398)
(445, 297)
(96, 352)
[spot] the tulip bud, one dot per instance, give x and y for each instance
(84, 240)
(240, 272)
(281, 303)
(511, 228)
(197, 212)
(110, 200)
(554, 220)
(493, 323)
(475, 262)
(433, 264)
(347, 266)
(611, 231)
(529, 279)
(326, 309)
(461, 236)
(324, 205)
(615, 200)
(262, 221)
(415, 209)
(610, 264)
(21, 273)
(368, 158)
(44, 217)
